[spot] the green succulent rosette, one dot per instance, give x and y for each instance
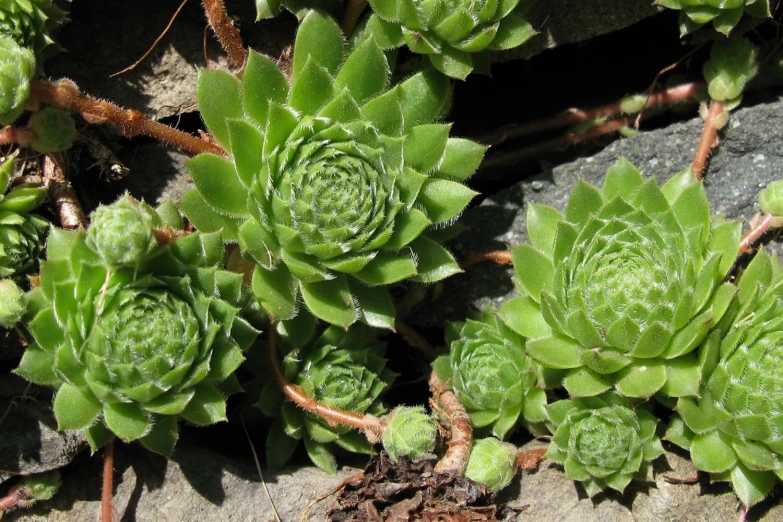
(22, 234)
(341, 369)
(131, 349)
(771, 198)
(601, 442)
(455, 35)
(334, 180)
(722, 14)
(734, 429)
(492, 377)
(13, 303)
(28, 22)
(619, 291)
(17, 68)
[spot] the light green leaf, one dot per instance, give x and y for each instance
(321, 455)
(444, 199)
(751, 486)
(425, 145)
(621, 180)
(276, 291)
(330, 301)
(523, 315)
(424, 98)
(513, 32)
(262, 82)
(585, 200)
(583, 382)
(385, 112)
(163, 436)
(375, 305)
(37, 365)
(127, 420)
(311, 89)
(642, 380)
(434, 262)
(462, 159)
(206, 407)
(75, 409)
(318, 37)
(556, 351)
(218, 183)
(219, 97)
(712, 452)
(533, 268)
(365, 72)
(407, 227)
(386, 269)
(204, 218)
(542, 223)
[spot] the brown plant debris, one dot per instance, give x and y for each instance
(404, 491)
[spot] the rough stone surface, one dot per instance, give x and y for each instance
(562, 22)
(750, 156)
(29, 440)
(196, 485)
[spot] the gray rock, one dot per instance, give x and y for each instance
(196, 485)
(30, 442)
(562, 22)
(750, 156)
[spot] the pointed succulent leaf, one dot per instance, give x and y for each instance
(262, 83)
(318, 37)
(433, 262)
(219, 97)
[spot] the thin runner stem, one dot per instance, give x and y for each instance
(371, 425)
(13, 498)
(499, 257)
(108, 482)
(708, 141)
(65, 95)
(227, 34)
(461, 438)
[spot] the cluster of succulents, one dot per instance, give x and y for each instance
(135, 335)
(723, 15)
(337, 187)
(24, 33)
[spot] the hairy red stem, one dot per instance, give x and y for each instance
(757, 229)
(227, 34)
(708, 139)
(371, 425)
(65, 95)
(108, 482)
(13, 498)
(510, 158)
(461, 438)
(22, 136)
(680, 93)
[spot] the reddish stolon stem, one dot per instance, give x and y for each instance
(22, 136)
(708, 139)
(499, 257)
(502, 160)
(108, 482)
(742, 514)
(65, 95)
(759, 225)
(680, 93)
(461, 437)
(13, 498)
(371, 425)
(226, 32)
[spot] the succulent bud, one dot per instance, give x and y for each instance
(13, 303)
(41, 486)
(732, 64)
(771, 198)
(491, 463)
(55, 130)
(17, 67)
(121, 233)
(410, 432)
